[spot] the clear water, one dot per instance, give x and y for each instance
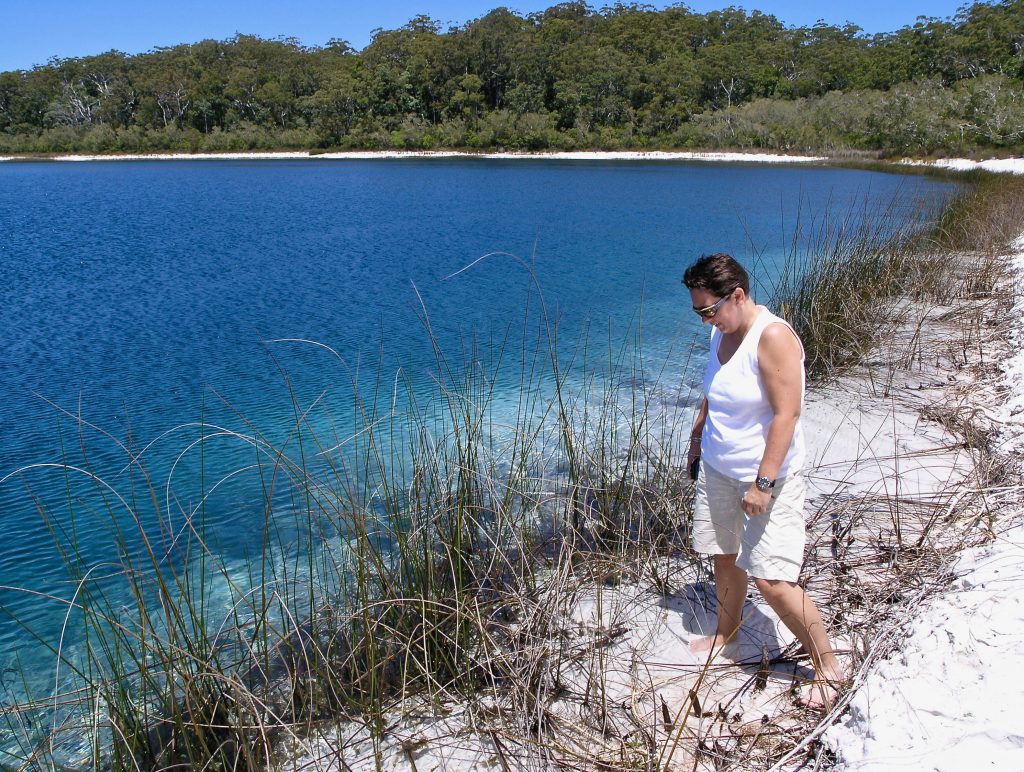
(142, 296)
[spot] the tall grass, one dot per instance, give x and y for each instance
(985, 218)
(848, 282)
(399, 561)
(843, 283)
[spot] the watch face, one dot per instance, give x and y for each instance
(764, 484)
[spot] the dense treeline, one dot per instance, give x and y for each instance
(568, 77)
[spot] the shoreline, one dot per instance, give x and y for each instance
(1012, 165)
(890, 473)
(375, 155)
(866, 450)
(944, 695)
(996, 165)
(889, 449)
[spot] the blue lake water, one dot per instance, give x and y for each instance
(143, 296)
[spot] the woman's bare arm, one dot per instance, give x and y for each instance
(779, 358)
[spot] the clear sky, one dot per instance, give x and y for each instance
(33, 31)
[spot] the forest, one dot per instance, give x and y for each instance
(570, 77)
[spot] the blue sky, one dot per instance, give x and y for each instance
(33, 31)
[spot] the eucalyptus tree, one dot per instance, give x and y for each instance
(342, 94)
(498, 49)
(403, 72)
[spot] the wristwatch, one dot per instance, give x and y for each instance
(764, 484)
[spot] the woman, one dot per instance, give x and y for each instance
(748, 512)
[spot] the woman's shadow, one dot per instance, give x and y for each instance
(755, 645)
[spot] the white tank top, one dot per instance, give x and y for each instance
(738, 409)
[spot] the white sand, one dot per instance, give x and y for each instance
(1005, 165)
(1011, 165)
(583, 155)
(952, 696)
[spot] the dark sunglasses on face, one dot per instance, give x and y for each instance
(710, 311)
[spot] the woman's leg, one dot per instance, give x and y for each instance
(731, 593)
(798, 612)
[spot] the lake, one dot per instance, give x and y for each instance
(144, 302)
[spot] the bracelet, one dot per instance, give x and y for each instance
(696, 438)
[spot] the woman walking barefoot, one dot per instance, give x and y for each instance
(750, 492)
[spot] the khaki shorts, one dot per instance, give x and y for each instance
(768, 546)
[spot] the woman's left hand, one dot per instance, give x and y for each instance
(755, 501)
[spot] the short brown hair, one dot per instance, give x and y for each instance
(719, 274)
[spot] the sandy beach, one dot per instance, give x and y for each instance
(1000, 165)
(948, 697)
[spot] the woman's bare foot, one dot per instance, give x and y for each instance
(818, 695)
(707, 643)
(821, 693)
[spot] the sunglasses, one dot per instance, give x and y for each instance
(710, 311)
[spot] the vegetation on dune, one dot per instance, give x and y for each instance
(841, 272)
(624, 76)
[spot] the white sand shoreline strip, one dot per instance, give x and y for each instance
(1001, 165)
(369, 155)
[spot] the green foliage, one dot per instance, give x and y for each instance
(985, 218)
(623, 76)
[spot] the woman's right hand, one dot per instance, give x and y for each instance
(691, 456)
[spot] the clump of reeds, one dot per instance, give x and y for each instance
(844, 281)
(848, 282)
(417, 544)
(985, 217)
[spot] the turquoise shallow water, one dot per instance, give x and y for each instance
(141, 296)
